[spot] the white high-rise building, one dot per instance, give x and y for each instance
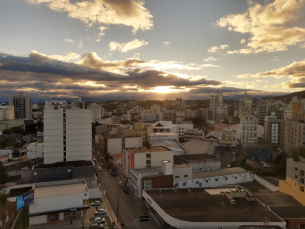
(248, 125)
(67, 133)
(6, 112)
(22, 105)
(216, 102)
(96, 112)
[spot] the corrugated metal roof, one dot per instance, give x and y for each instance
(59, 190)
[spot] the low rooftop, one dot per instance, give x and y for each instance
(169, 144)
(196, 146)
(145, 149)
(184, 159)
(219, 172)
(200, 206)
(289, 212)
(64, 163)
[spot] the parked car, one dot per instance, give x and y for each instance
(266, 165)
(120, 184)
(107, 166)
(100, 212)
(99, 168)
(15, 158)
(99, 220)
(25, 168)
(263, 162)
(101, 158)
(96, 203)
(96, 226)
(125, 189)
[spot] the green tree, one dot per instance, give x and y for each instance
(7, 131)
(4, 142)
(3, 174)
(17, 130)
(297, 152)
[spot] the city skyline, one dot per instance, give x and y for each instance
(151, 50)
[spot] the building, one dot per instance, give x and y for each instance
(169, 127)
(295, 108)
(96, 112)
(152, 117)
(149, 178)
(140, 130)
(178, 103)
(114, 143)
(293, 215)
(56, 201)
(228, 138)
(245, 105)
(22, 106)
(203, 113)
(214, 208)
(213, 135)
(155, 109)
(294, 133)
(78, 103)
(67, 135)
(7, 112)
(35, 150)
(216, 102)
(163, 136)
(143, 157)
(262, 110)
(248, 125)
(274, 130)
(193, 134)
(198, 162)
(195, 146)
(294, 183)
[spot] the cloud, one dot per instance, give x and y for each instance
(136, 55)
(117, 12)
(242, 41)
(217, 48)
(272, 27)
(69, 40)
(102, 33)
(210, 59)
(80, 44)
(166, 43)
(125, 47)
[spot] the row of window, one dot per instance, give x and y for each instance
(48, 172)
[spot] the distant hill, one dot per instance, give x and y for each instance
(288, 97)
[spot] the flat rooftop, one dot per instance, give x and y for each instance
(64, 163)
(219, 172)
(289, 212)
(183, 159)
(200, 206)
(59, 190)
(196, 146)
(145, 149)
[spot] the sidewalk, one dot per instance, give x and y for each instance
(111, 213)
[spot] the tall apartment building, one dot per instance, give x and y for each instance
(78, 104)
(22, 106)
(294, 133)
(179, 102)
(6, 112)
(248, 125)
(228, 138)
(274, 130)
(294, 183)
(216, 102)
(67, 133)
(295, 108)
(96, 112)
(262, 110)
(245, 105)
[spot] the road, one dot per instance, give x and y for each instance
(130, 207)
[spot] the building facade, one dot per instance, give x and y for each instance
(245, 105)
(216, 102)
(35, 150)
(262, 110)
(7, 112)
(139, 130)
(228, 138)
(67, 135)
(163, 136)
(294, 133)
(248, 125)
(22, 106)
(96, 112)
(274, 130)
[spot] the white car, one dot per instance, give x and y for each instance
(99, 168)
(100, 212)
(266, 165)
(99, 220)
(96, 203)
(263, 162)
(25, 168)
(15, 158)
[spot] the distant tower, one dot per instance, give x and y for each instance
(22, 105)
(216, 103)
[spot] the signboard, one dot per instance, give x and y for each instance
(53, 217)
(25, 199)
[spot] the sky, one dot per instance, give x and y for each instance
(151, 49)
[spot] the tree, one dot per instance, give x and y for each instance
(7, 131)
(39, 126)
(3, 198)
(17, 130)
(3, 174)
(4, 142)
(297, 152)
(225, 121)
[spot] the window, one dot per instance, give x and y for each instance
(69, 170)
(148, 155)
(296, 169)
(301, 172)
(295, 176)
(46, 172)
(235, 177)
(197, 182)
(226, 178)
(186, 175)
(206, 181)
(35, 173)
(176, 176)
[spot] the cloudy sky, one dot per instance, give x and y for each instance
(153, 49)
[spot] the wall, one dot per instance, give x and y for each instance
(205, 164)
(38, 219)
(52, 175)
(114, 146)
(179, 173)
(287, 188)
(35, 151)
(158, 157)
(84, 171)
(165, 181)
(133, 142)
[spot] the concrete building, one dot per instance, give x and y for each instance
(245, 105)
(96, 112)
(226, 208)
(114, 143)
(67, 135)
(294, 183)
(274, 130)
(35, 150)
(78, 103)
(172, 145)
(22, 106)
(143, 157)
(55, 201)
(228, 138)
(169, 127)
(262, 110)
(195, 146)
(193, 134)
(7, 112)
(155, 109)
(248, 125)
(178, 103)
(140, 130)
(163, 136)
(216, 102)
(152, 117)
(294, 133)
(198, 162)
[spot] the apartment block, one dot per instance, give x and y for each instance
(248, 125)
(228, 138)
(262, 110)
(245, 105)
(22, 106)
(96, 112)
(139, 129)
(294, 133)
(274, 130)
(216, 102)
(7, 112)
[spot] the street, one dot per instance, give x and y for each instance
(130, 207)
